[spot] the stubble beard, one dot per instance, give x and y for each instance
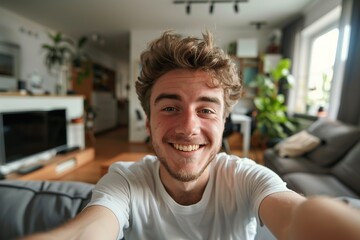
(182, 175)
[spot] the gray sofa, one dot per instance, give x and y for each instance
(32, 206)
(35, 206)
(331, 169)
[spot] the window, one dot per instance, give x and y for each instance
(320, 72)
(313, 68)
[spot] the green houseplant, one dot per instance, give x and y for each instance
(58, 52)
(272, 120)
(81, 61)
(61, 53)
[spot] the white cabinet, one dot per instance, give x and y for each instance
(270, 62)
(105, 107)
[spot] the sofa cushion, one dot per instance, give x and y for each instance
(348, 169)
(28, 204)
(297, 144)
(337, 139)
(318, 184)
(288, 165)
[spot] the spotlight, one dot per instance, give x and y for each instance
(188, 9)
(211, 10)
(258, 24)
(236, 7)
(187, 3)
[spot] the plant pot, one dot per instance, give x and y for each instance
(61, 84)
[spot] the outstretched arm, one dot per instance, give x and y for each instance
(325, 218)
(290, 216)
(95, 222)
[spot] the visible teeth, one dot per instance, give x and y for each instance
(186, 148)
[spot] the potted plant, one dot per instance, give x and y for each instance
(272, 120)
(62, 53)
(56, 59)
(58, 52)
(81, 61)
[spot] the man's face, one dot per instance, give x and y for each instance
(186, 122)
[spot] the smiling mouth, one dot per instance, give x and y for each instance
(186, 148)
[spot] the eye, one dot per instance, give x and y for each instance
(168, 109)
(206, 111)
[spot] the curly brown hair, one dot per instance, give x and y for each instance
(172, 51)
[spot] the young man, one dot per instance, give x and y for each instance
(188, 190)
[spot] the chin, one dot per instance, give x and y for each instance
(188, 172)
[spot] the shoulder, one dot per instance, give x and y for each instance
(146, 165)
(235, 164)
(243, 171)
(126, 178)
(130, 174)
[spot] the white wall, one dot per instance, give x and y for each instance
(138, 43)
(30, 35)
(318, 9)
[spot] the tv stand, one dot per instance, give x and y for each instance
(58, 166)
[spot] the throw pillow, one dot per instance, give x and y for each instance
(297, 145)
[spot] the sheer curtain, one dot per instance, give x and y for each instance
(289, 49)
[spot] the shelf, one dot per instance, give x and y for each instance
(58, 166)
(100, 79)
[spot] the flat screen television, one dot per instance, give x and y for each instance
(23, 134)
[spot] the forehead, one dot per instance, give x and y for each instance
(186, 81)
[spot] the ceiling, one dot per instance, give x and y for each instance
(113, 19)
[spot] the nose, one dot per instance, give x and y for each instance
(188, 124)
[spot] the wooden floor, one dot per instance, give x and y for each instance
(112, 143)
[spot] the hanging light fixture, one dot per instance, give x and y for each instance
(258, 24)
(236, 7)
(188, 8)
(211, 9)
(212, 4)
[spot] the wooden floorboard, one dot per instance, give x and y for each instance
(112, 143)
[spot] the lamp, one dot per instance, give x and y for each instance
(212, 4)
(211, 9)
(188, 8)
(258, 25)
(236, 7)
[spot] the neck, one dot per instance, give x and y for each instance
(185, 193)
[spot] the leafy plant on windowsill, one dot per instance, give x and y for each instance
(271, 118)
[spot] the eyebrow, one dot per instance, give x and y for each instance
(209, 99)
(167, 96)
(177, 97)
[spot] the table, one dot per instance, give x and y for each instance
(245, 129)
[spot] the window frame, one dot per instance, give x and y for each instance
(311, 39)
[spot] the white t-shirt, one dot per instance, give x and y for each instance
(228, 208)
